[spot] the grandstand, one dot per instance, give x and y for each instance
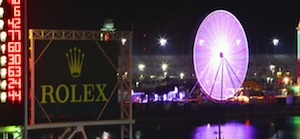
(262, 67)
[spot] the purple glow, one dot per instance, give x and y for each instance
(164, 97)
(181, 95)
(155, 97)
(139, 97)
(220, 55)
(172, 95)
(230, 130)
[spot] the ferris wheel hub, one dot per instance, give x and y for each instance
(221, 54)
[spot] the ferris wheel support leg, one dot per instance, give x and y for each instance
(195, 85)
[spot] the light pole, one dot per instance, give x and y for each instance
(141, 69)
(164, 68)
(275, 43)
(163, 43)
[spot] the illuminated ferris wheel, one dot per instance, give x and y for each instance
(220, 55)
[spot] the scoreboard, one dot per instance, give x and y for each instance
(11, 52)
(14, 53)
(11, 61)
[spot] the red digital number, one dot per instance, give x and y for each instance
(14, 23)
(14, 71)
(15, 34)
(14, 47)
(17, 11)
(14, 59)
(14, 83)
(14, 95)
(14, 2)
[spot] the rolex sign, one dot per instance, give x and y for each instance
(76, 78)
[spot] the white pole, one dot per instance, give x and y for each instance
(25, 79)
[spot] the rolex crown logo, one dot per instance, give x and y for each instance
(75, 60)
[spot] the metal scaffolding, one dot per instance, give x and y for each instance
(126, 120)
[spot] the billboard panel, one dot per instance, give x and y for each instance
(75, 80)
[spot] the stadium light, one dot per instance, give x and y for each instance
(162, 41)
(164, 67)
(275, 42)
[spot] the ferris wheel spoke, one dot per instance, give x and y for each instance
(206, 68)
(214, 81)
(228, 71)
(232, 71)
(222, 75)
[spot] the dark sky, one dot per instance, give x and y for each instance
(177, 20)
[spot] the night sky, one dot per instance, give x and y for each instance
(176, 20)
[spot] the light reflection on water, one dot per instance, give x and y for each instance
(287, 127)
(229, 130)
(265, 127)
(289, 130)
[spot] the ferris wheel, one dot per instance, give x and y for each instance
(220, 55)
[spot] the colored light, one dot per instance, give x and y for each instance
(15, 130)
(1, 24)
(3, 60)
(3, 84)
(294, 121)
(230, 130)
(181, 95)
(3, 97)
(3, 36)
(294, 88)
(1, 12)
(286, 80)
(106, 37)
(3, 73)
(220, 55)
(3, 48)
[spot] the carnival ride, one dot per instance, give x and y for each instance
(220, 55)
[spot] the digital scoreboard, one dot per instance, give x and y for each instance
(11, 52)
(11, 60)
